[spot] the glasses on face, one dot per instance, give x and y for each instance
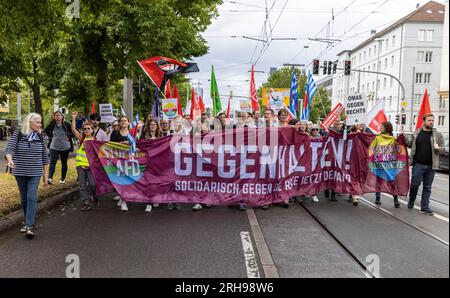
(314, 129)
(283, 115)
(86, 128)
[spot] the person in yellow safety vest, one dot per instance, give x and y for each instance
(85, 178)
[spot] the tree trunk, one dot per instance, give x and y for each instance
(102, 82)
(37, 91)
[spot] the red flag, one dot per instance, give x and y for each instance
(424, 109)
(201, 104)
(168, 92)
(93, 107)
(195, 106)
(228, 109)
(176, 95)
(253, 95)
(159, 69)
(376, 116)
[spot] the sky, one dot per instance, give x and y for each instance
(232, 57)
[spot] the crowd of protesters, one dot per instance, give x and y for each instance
(32, 152)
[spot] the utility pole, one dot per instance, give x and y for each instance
(128, 97)
(412, 99)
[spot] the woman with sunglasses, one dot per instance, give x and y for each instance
(121, 136)
(85, 178)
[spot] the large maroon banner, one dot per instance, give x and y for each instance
(251, 166)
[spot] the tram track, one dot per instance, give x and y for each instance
(341, 244)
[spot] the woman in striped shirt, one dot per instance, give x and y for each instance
(28, 158)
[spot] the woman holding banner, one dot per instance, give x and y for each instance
(386, 129)
(85, 178)
(121, 136)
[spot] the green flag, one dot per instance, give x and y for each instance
(215, 97)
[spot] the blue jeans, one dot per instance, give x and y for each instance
(421, 173)
(28, 187)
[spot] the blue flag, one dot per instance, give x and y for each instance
(293, 101)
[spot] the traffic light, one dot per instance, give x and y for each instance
(403, 119)
(348, 66)
(316, 67)
(397, 118)
(325, 67)
(330, 65)
(334, 67)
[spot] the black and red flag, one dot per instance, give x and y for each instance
(160, 69)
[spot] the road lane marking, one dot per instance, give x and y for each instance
(402, 220)
(270, 271)
(418, 208)
(249, 254)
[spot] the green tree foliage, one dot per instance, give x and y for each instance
(87, 58)
(321, 104)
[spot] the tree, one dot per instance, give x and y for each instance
(282, 78)
(111, 35)
(27, 30)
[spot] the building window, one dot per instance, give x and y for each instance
(392, 82)
(370, 53)
(385, 63)
(379, 65)
(387, 44)
(375, 49)
(429, 36)
(359, 58)
(421, 35)
(363, 88)
(420, 56)
(427, 78)
(373, 86)
(419, 76)
(428, 55)
(441, 121)
(390, 100)
(368, 68)
(374, 67)
(368, 87)
(384, 83)
(364, 55)
(392, 61)
(441, 102)
(393, 41)
(381, 47)
(417, 99)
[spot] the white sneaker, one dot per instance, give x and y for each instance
(50, 181)
(197, 207)
(156, 205)
(116, 198)
(119, 203)
(148, 208)
(315, 199)
(62, 181)
(124, 207)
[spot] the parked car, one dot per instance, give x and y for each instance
(443, 159)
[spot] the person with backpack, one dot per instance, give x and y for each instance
(85, 178)
(27, 157)
(60, 135)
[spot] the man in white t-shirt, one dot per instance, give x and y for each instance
(99, 134)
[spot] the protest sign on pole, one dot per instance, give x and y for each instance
(332, 116)
(355, 109)
(169, 108)
(245, 105)
(106, 112)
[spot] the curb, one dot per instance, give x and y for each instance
(16, 217)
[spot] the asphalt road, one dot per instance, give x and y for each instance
(332, 240)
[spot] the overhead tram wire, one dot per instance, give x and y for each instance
(309, 43)
(348, 30)
(271, 32)
(262, 29)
